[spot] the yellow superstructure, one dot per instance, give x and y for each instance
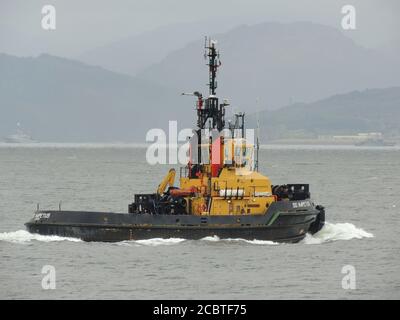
(236, 189)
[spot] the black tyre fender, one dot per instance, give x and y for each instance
(319, 222)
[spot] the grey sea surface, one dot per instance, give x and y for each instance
(360, 188)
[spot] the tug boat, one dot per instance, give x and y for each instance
(221, 192)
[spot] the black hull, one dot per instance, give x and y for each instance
(285, 221)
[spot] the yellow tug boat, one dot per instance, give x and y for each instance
(221, 192)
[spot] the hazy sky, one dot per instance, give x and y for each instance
(84, 24)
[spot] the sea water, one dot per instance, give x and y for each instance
(359, 188)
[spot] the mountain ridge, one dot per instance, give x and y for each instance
(96, 104)
(41, 91)
(370, 110)
(279, 63)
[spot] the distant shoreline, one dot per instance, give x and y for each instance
(126, 145)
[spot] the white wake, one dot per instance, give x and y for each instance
(158, 241)
(330, 232)
(255, 241)
(23, 236)
(336, 231)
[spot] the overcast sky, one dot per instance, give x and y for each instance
(84, 24)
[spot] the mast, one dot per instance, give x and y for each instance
(213, 64)
(210, 113)
(209, 108)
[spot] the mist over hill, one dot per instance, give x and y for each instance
(373, 110)
(133, 54)
(279, 63)
(57, 99)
